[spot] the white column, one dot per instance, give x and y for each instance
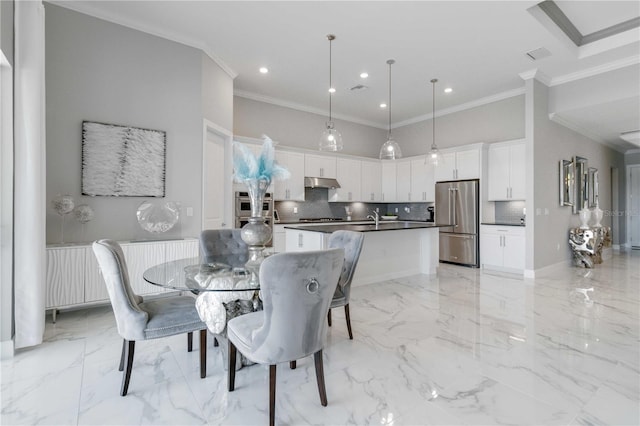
(30, 174)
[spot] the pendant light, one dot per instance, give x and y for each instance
(434, 154)
(390, 150)
(331, 139)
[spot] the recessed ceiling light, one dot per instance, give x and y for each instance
(332, 90)
(264, 70)
(383, 105)
(364, 75)
(448, 90)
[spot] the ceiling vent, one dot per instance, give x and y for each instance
(539, 53)
(359, 88)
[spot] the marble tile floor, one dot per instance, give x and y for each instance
(465, 347)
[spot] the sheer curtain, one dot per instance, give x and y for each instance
(30, 186)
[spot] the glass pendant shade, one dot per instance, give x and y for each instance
(390, 150)
(331, 139)
(434, 155)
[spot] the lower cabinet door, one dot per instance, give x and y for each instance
(514, 248)
(65, 266)
(139, 258)
(491, 249)
(95, 289)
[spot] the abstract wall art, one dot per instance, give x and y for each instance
(122, 161)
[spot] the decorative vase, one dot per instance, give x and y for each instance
(585, 215)
(256, 233)
(596, 214)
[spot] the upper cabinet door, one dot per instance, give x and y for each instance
(422, 183)
(292, 188)
(403, 181)
(348, 175)
(518, 172)
(388, 181)
(320, 166)
(446, 168)
(468, 164)
(371, 173)
(498, 173)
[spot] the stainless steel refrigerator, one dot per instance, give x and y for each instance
(457, 205)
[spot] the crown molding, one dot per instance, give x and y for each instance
(590, 72)
(632, 151)
(299, 107)
(87, 9)
(536, 74)
(469, 105)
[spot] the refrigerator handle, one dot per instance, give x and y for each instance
(453, 206)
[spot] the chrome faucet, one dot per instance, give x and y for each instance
(375, 217)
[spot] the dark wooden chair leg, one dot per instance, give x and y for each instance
(317, 357)
(124, 350)
(215, 342)
(231, 377)
(203, 354)
(293, 364)
(272, 395)
(329, 317)
(189, 341)
(127, 373)
(346, 314)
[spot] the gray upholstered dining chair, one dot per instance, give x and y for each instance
(144, 320)
(351, 242)
(223, 245)
(296, 289)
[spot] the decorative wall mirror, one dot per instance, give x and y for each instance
(582, 183)
(567, 183)
(592, 183)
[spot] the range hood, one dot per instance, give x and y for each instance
(319, 182)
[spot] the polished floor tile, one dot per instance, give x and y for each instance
(466, 347)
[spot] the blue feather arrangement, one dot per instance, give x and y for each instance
(248, 167)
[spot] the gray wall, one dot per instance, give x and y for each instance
(217, 94)
(552, 143)
(498, 121)
(301, 129)
(632, 158)
(99, 71)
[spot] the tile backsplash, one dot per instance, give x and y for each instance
(316, 205)
(509, 211)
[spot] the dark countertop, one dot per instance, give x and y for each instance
(365, 227)
(503, 224)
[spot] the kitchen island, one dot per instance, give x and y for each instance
(392, 249)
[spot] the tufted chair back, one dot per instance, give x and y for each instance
(223, 245)
(351, 242)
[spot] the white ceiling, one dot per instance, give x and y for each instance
(476, 47)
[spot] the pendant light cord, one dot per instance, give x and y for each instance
(433, 124)
(390, 62)
(330, 37)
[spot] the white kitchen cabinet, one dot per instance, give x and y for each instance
(388, 174)
(305, 240)
(292, 188)
(320, 166)
(348, 174)
(459, 164)
(74, 277)
(422, 183)
(279, 239)
(502, 247)
(403, 181)
(371, 186)
(506, 171)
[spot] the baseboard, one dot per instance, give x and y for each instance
(7, 349)
(533, 273)
(616, 247)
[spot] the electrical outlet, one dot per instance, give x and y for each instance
(546, 211)
(558, 247)
(189, 211)
(396, 210)
(295, 210)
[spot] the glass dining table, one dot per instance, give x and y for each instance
(225, 289)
